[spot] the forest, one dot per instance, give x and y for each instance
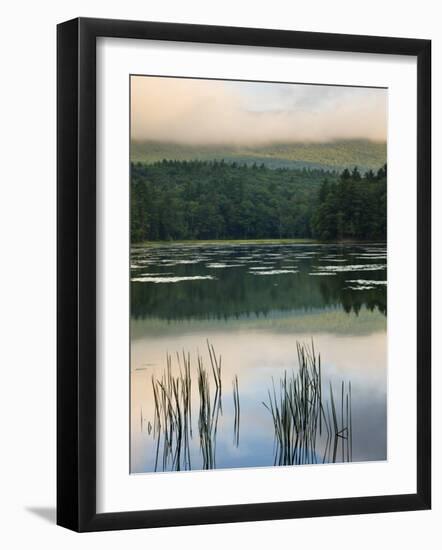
(193, 200)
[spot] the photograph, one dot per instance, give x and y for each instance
(219, 249)
(258, 274)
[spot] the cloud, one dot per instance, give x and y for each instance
(209, 112)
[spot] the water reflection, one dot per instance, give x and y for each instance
(186, 283)
(254, 304)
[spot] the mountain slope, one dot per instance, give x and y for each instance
(334, 155)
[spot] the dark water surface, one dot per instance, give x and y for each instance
(253, 304)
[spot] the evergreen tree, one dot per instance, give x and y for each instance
(173, 200)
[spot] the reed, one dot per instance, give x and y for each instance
(172, 419)
(300, 412)
(310, 423)
(237, 411)
(172, 415)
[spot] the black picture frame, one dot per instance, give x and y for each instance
(76, 274)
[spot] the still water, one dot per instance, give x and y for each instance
(244, 309)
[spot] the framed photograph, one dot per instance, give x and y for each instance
(243, 274)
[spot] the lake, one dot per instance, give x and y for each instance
(248, 355)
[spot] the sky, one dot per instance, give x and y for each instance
(215, 112)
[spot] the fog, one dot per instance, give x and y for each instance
(191, 111)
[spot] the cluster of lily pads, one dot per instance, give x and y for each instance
(148, 262)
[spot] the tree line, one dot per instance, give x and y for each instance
(354, 207)
(180, 200)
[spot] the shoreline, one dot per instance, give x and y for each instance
(221, 242)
